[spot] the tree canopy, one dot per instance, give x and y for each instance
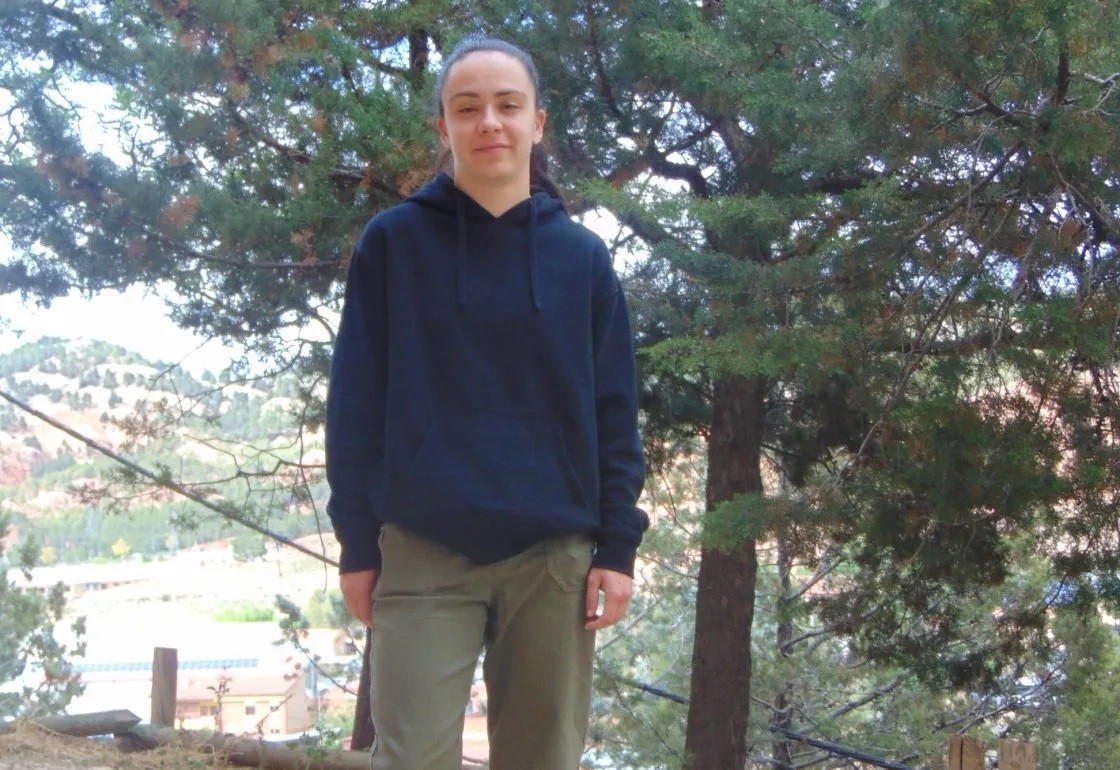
(876, 274)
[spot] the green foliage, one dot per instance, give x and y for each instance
(326, 609)
(246, 612)
(1078, 729)
(632, 727)
(335, 725)
(899, 220)
(248, 547)
(35, 673)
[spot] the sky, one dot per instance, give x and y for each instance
(133, 319)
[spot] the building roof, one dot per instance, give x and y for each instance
(146, 665)
(196, 687)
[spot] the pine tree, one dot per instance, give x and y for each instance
(886, 232)
(902, 220)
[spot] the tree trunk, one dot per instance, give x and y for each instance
(716, 735)
(81, 725)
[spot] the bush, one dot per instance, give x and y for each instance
(29, 653)
(246, 612)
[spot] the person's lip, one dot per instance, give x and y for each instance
(489, 147)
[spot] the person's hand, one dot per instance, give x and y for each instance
(616, 588)
(357, 593)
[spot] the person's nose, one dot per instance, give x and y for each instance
(489, 120)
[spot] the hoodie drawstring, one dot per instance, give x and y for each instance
(461, 255)
(533, 256)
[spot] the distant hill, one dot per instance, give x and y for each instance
(202, 429)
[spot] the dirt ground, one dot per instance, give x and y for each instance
(32, 748)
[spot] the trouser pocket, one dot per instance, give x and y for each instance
(568, 558)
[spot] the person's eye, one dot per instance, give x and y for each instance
(467, 109)
(512, 106)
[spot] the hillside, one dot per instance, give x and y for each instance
(215, 431)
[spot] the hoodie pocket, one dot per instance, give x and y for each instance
(489, 463)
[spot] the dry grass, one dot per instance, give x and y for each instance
(33, 748)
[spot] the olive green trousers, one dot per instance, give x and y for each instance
(435, 611)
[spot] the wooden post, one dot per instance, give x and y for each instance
(966, 753)
(165, 672)
(1016, 755)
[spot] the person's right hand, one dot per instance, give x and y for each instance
(357, 593)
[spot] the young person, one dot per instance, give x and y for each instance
(482, 439)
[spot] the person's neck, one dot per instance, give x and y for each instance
(497, 199)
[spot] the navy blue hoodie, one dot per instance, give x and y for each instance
(482, 390)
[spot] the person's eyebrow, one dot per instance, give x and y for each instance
(499, 94)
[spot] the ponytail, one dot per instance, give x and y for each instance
(539, 178)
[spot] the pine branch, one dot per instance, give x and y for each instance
(660, 165)
(839, 750)
(690, 141)
(990, 106)
(338, 173)
(1104, 226)
(1103, 82)
(868, 698)
(605, 90)
(825, 568)
(838, 184)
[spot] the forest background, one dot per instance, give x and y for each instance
(872, 263)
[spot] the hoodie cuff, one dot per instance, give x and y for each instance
(615, 556)
(360, 552)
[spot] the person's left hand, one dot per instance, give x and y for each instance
(616, 588)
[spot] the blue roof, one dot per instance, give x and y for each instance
(184, 665)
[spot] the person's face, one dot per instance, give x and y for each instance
(490, 120)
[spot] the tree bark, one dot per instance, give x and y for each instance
(81, 725)
(716, 733)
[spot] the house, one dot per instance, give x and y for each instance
(250, 703)
(82, 578)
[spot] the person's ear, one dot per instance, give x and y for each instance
(538, 128)
(441, 124)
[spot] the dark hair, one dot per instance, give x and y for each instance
(539, 178)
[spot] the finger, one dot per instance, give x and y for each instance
(614, 609)
(591, 596)
(601, 621)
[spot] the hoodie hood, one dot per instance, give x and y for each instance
(442, 196)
